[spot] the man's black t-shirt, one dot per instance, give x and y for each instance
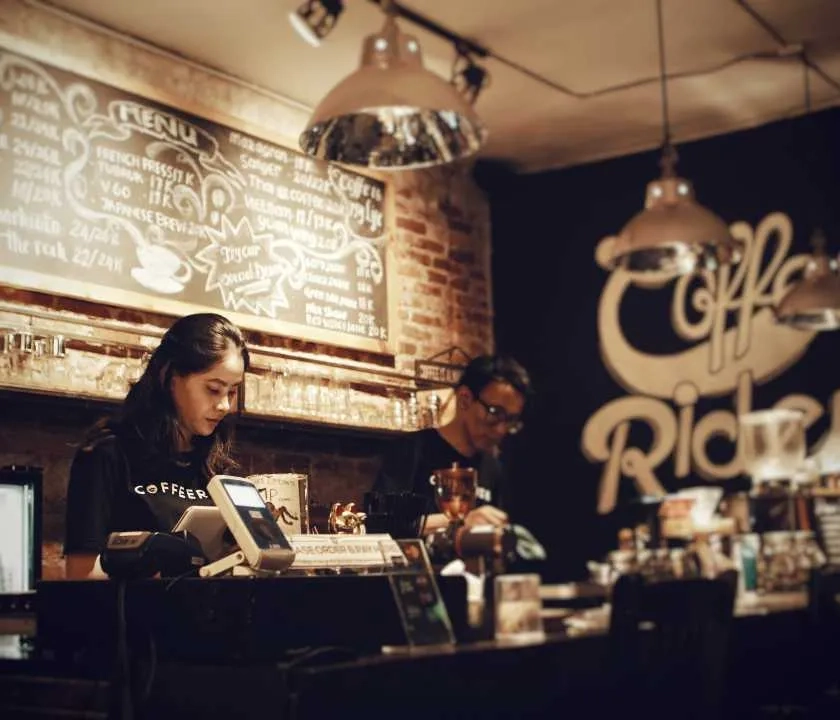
(410, 462)
(117, 485)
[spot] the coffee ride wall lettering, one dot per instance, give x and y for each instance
(110, 197)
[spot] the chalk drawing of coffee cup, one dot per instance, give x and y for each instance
(162, 269)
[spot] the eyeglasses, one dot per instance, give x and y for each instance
(497, 414)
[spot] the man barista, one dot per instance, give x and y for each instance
(490, 398)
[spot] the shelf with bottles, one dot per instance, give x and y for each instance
(40, 353)
(59, 354)
(294, 389)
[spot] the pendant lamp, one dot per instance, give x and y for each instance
(674, 234)
(813, 303)
(392, 113)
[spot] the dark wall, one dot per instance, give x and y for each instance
(547, 286)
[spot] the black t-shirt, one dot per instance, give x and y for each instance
(116, 484)
(409, 462)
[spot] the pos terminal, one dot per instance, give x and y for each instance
(262, 544)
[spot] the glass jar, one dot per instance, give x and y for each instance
(809, 555)
(676, 557)
(622, 562)
(773, 444)
(413, 413)
(663, 563)
(434, 409)
(656, 564)
(779, 568)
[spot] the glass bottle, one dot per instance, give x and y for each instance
(413, 413)
(780, 571)
(434, 410)
(809, 556)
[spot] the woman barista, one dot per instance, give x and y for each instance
(141, 469)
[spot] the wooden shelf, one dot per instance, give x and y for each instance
(14, 390)
(17, 398)
(95, 338)
(824, 492)
(125, 335)
(313, 425)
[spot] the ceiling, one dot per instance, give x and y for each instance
(727, 70)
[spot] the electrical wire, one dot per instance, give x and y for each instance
(484, 52)
(175, 580)
(779, 38)
(752, 12)
(808, 66)
(824, 75)
(806, 83)
(325, 654)
(812, 158)
(475, 49)
(122, 680)
(610, 89)
(151, 672)
(702, 72)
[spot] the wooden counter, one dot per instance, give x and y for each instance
(768, 665)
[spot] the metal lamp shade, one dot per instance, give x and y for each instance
(392, 113)
(814, 302)
(674, 234)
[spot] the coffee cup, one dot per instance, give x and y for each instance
(162, 262)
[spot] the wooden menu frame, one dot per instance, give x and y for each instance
(75, 288)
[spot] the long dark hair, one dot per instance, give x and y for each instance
(192, 345)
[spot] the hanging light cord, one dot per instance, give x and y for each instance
(806, 83)
(668, 161)
(663, 77)
(817, 240)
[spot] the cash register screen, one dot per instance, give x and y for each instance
(256, 516)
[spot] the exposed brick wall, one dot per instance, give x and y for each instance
(440, 239)
(442, 248)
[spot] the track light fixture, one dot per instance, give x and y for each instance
(392, 113)
(315, 19)
(468, 77)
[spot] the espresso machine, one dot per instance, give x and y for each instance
(774, 452)
(484, 549)
(786, 527)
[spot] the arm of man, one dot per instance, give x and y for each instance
(484, 515)
(90, 494)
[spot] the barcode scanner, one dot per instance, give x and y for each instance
(142, 554)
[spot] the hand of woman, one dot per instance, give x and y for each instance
(486, 515)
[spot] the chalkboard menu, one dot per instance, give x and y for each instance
(111, 197)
